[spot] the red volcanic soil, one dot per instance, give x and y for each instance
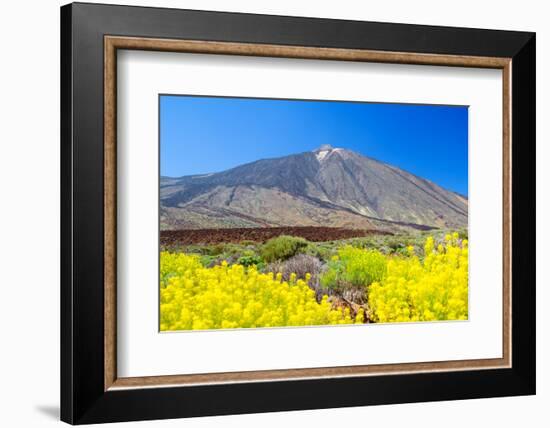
(214, 236)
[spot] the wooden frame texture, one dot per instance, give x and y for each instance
(115, 398)
(114, 43)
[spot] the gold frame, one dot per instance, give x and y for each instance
(113, 43)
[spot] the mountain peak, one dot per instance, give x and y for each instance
(324, 148)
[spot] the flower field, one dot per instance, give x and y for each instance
(435, 288)
(290, 281)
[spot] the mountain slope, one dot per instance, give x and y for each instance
(326, 187)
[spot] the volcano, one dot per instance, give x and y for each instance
(330, 187)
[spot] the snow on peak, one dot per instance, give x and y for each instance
(323, 151)
(321, 154)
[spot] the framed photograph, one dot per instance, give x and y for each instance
(265, 213)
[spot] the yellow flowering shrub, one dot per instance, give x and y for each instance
(435, 288)
(431, 287)
(354, 267)
(193, 297)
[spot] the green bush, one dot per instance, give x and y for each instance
(354, 267)
(249, 258)
(282, 248)
(207, 260)
(331, 278)
(248, 243)
(321, 251)
(217, 249)
(463, 234)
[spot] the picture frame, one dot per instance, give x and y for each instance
(91, 36)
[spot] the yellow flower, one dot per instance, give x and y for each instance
(435, 288)
(199, 298)
(401, 289)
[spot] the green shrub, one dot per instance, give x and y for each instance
(217, 249)
(249, 258)
(248, 243)
(354, 267)
(207, 260)
(331, 278)
(321, 251)
(403, 252)
(463, 234)
(282, 248)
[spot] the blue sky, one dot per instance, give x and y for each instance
(209, 134)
